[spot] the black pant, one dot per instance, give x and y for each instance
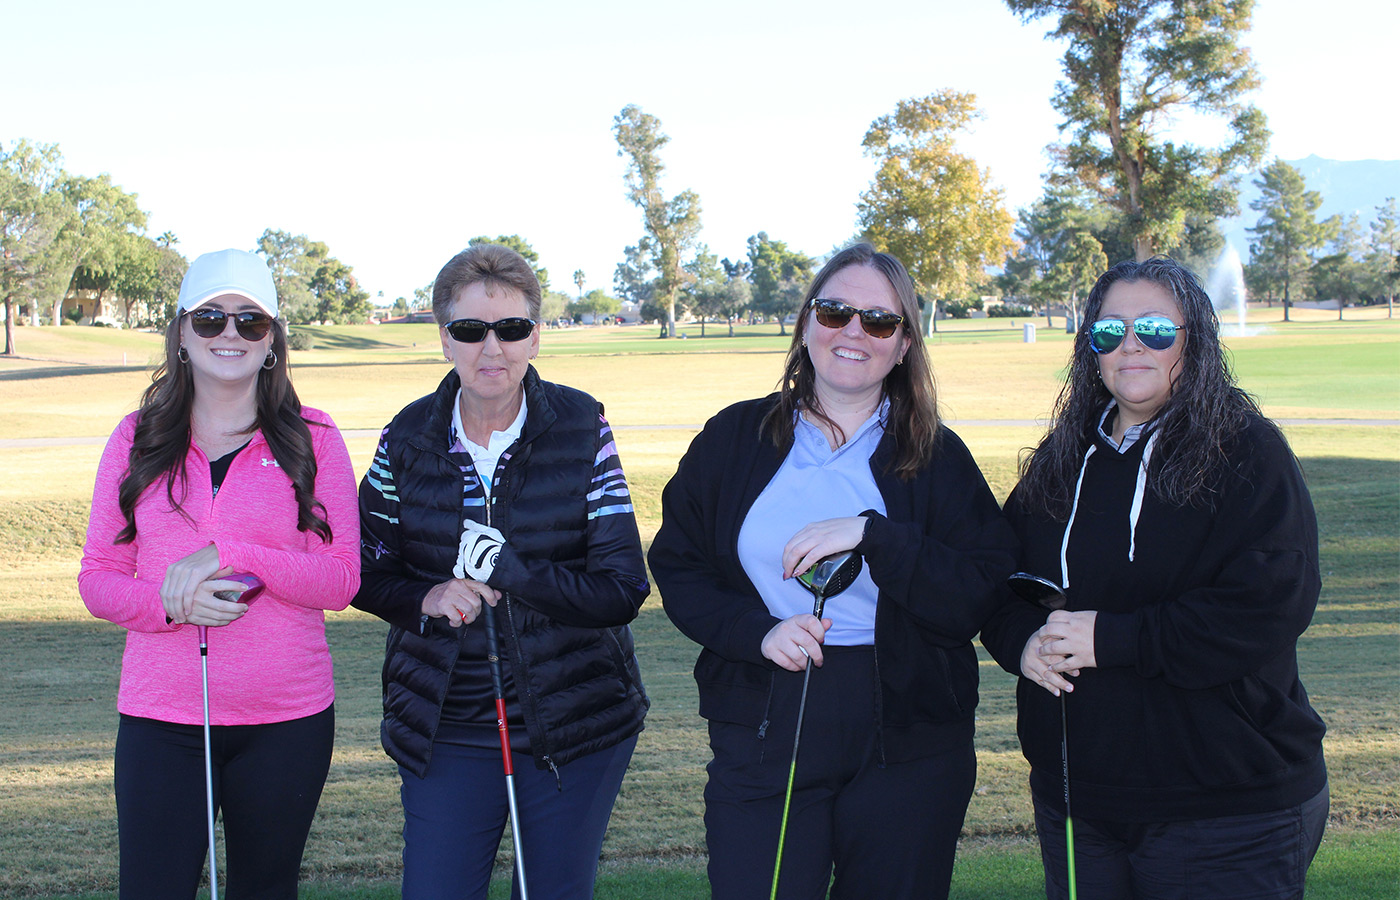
(267, 782)
(886, 831)
(1260, 856)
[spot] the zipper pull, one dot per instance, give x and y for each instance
(557, 780)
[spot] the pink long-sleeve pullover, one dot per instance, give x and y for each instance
(271, 665)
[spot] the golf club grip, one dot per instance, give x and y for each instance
(493, 654)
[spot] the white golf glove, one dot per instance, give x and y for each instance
(476, 555)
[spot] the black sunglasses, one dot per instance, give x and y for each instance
(1155, 333)
(880, 323)
(210, 323)
(473, 331)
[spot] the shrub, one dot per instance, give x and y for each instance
(961, 309)
(300, 340)
(1009, 311)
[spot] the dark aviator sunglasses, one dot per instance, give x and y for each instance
(473, 331)
(879, 323)
(210, 323)
(1154, 332)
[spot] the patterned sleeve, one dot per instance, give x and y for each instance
(609, 495)
(379, 495)
(610, 589)
(385, 589)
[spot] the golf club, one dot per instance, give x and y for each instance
(246, 595)
(253, 587)
(828, 577)
(494, 658)
(1048, 595)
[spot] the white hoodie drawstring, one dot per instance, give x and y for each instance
(1064, 544)
(1138, 492)
(1134, 513)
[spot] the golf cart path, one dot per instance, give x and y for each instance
(356, 433)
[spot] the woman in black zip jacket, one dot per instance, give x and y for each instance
(848, 455)
(1176, 519)
(503, 490)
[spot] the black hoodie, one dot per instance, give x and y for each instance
(1195, 709)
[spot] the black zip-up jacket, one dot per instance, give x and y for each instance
(571, 578)
(1195, 709)
(937, 557)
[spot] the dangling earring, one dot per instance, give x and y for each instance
(271, 361)
(182, 354)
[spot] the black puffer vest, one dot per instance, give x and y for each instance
(580, 689)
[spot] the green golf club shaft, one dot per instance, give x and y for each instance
(792, 773)
(1069, 819)
(792, 768)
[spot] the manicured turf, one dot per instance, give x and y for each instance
(58, 681)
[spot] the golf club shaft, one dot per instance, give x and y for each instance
(208, 760)
(493, 656)
(1069, 818)
(792, 773)
(792, 768)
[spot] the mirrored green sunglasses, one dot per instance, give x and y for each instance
(1153, 332)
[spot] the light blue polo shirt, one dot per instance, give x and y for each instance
(815, 483)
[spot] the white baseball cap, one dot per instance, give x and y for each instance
(228, 272)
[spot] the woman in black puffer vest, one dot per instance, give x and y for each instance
(505, 491)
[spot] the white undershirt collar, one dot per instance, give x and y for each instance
(485, 459)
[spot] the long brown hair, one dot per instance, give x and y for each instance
(162, 438)
(1206, 407)
(913, 416)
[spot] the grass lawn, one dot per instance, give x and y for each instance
(58, 683)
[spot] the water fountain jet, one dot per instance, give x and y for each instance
(1226, 289)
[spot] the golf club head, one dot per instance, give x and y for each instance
(831, 575)
(250, 593)
(1040, 591)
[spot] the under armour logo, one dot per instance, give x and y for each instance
(270, 462)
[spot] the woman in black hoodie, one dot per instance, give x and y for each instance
(1177, 521)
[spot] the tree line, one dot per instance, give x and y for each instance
(1119, 186)
(1293, 254)
(71, 246)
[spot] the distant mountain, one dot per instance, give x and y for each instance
(1347, 186)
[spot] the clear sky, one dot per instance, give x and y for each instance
(396, 132)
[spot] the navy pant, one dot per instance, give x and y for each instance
(1262, 856)
(884, 831)
(454, 818)
(267, 782)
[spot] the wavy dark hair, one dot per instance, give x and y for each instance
(1206, 408)
(162, 437)
(913, 417)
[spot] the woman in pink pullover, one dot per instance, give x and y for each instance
(222, 471)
